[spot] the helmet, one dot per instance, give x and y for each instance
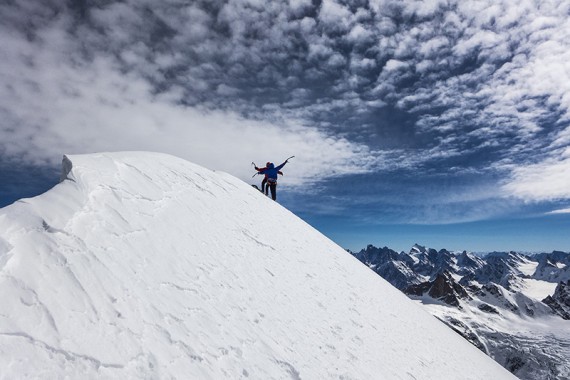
(267, 164)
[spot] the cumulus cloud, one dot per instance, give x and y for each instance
(56, 103)
(334, 14)
(475, 85)
(394, 64)
(359, 34)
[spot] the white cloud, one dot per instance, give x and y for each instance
(336, 60)
(227, 90)
(423, 8)
(480, 39)
(359, 63)
(562, 138)
(54, 105)
(334, 14)
(299, 5)
(561, 211)
(545, 181)
(307, 25)
(477, 75)
(359, 34)
(386, 26)
(319, 51)
(432, 46)
(394, 64)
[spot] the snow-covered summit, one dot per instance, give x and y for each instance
(143, 265)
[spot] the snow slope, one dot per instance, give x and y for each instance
(143, 265)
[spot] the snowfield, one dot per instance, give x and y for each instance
(143, 265)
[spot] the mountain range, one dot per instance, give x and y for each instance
(514, 307)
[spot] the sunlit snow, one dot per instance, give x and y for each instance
(537, 289)
(142, 265)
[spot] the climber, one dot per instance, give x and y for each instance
(271, 172)
(264, 184)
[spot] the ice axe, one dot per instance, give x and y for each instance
(254, 165)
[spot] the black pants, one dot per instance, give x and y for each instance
(263, 187)
(273, 187)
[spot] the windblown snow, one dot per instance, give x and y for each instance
(143, 265)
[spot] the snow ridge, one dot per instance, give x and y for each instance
(143, 265)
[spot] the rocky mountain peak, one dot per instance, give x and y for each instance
(559, 302)
(443, 287)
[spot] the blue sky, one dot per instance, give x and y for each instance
(445, 123)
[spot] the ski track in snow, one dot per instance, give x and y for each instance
(142, 265)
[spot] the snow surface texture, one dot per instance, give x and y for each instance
(143, 265)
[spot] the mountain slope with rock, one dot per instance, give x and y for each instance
(507, 304)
